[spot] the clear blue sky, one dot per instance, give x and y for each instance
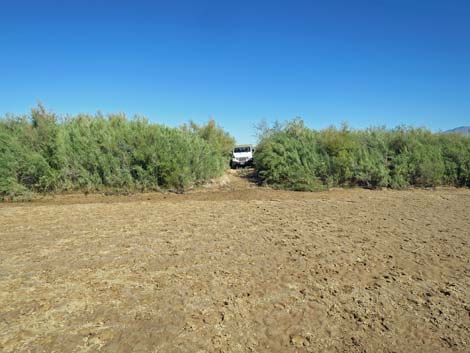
(382, 62)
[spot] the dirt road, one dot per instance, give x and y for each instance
(238, 269)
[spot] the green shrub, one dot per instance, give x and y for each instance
(295, 157)
(43, 153)
(456, 157)
(10, 152)
(282, 158)
(218, 138)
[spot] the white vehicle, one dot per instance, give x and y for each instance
(242, 155)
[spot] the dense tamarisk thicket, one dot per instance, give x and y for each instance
(294, 157)
(219, 139)
(45, 153)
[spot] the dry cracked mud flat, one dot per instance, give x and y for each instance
(237, 269)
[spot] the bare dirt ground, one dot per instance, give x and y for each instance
(237, 268)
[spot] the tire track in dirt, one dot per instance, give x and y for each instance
(236, 268)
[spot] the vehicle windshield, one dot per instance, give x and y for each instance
(242, 149)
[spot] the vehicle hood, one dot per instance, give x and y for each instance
(243, 155)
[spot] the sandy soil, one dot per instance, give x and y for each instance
(237, 269)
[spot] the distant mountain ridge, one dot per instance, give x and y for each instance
(462, 130)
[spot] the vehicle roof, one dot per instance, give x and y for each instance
(243, 146)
